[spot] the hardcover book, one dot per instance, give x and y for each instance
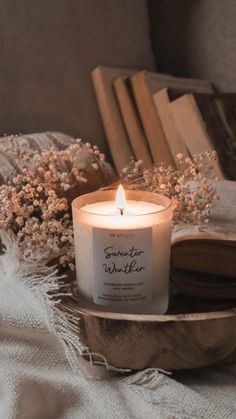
(132, 121)
(162, 99)
(193, 129)
(117, 138)
(218, 113)
(145, 85)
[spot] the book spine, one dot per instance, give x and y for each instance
(222, 135)
(132, 123)
(192, 128)
(150, 120)
(175, 141)
(120, 149)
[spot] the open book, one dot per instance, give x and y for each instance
(203, 258)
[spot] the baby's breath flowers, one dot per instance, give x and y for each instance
(188, 185)
(35, 205)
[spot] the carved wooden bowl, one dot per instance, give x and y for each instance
(193, 334)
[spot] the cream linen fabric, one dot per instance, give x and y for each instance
(38, 382)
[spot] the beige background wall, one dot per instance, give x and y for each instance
(47, 50)
(196, 38)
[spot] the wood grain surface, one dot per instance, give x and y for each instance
(171, 341)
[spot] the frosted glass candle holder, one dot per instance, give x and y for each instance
(123, 257)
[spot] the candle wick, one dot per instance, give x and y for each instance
(121, 211)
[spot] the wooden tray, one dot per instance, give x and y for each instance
(193, 334)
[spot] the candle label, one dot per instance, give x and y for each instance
(122, 266)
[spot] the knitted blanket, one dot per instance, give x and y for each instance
(44, 376)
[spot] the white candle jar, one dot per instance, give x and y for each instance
(122, 261)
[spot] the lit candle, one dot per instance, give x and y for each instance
(122, 249)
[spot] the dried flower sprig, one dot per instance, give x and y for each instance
(35, 204)
(188, 185)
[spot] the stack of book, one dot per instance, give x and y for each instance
(153, 117)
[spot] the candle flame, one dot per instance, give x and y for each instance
(121, 200)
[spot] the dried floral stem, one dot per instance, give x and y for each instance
(35, 206)
(188, 186)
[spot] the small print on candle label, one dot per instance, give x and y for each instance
(122, 266)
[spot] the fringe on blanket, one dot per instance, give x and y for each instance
(45, 283)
